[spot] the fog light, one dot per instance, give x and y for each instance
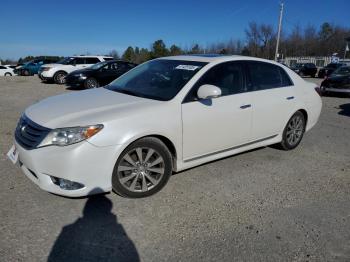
(66, 184)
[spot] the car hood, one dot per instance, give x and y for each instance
(81, 71)
(336, 78)
(88, 107)
(53, 65)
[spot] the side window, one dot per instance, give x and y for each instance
(91, 60)
(113, 66)
(2, 67)
(228, 76)
(73, 61)
(266, 76)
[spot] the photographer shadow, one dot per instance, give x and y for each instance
(97, 236)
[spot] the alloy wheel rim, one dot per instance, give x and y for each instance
(295, 130)
(61, 79)
(91, 83)
(141, 169)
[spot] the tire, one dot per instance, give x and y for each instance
(59, 77)
(293, 129)
(91, 83)
(26, 73)
(8, 74)
(134, 178)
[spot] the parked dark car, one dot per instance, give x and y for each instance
(305, 69)
(337, 82)
(99, 74)
(329, 69)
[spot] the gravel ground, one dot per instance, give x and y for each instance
(263, 205)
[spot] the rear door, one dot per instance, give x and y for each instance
(273, 98)
(214, 125)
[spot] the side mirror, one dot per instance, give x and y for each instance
(208, 91)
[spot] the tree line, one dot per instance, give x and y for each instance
(260, 41)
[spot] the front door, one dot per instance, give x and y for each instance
(214, 125)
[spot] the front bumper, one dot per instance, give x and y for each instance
(72, 80)
(83, 162)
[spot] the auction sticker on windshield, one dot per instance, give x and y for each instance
(187, 67)
(13, 154)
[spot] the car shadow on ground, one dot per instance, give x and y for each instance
(97, 236)
(75, 88)
(344, 110)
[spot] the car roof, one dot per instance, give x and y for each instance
(93, 56)
(212, 58)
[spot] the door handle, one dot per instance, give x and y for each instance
(290, 97)
(245, 106)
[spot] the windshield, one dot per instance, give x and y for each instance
(344, 70)
(158, 79)
(98, 65)
(65, 61)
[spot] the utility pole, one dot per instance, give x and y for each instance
(279, 31)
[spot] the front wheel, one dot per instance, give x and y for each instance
(293, 132)
(60, 78)
(26, 73)
(91, 83)
(142, 169)
(8, 74)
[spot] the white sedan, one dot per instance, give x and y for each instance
(163, 116)
(6, 71)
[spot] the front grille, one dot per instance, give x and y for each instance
(29, 134)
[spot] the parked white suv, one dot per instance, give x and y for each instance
(58, 71)
(165, 115)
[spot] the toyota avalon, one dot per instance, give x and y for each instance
(163, 116)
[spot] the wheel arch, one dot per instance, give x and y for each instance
(167, 142)
(60, 71)
(304, 112)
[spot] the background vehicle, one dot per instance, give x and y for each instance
(58, 71)
(32, 67)
(99, 74)
(6, 71)
(126, 138)
(329, 69)
(307, 69)
(11, 66)
(337, 82)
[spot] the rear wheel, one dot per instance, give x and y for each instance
(91, 83)
(142, 169)
(26, 72)
(293, 132)
(60, 78)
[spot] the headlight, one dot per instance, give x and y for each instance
(70, 135)
(82, 76)
(45, 68)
